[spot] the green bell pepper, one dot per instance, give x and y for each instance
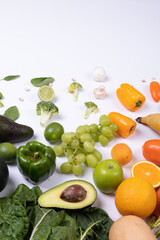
(36, 161)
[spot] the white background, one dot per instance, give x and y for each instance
(68, 39)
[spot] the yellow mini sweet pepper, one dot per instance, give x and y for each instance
(130, 97)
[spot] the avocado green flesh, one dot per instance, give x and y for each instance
(51, 198)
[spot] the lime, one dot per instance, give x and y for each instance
(8, 152)
(53, 132)
(46, 93)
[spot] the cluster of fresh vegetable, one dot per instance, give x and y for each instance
(79, 148)
(36, 162)
(22, 218)
(46, 109)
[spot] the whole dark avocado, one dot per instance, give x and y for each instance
(4, 174)
(13, 132)
(74, 194)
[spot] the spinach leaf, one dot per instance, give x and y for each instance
(51, 225)
(26, 196)
(39, 82)
(11, 77)
(14, 210)
(94, 223)
(12, 113)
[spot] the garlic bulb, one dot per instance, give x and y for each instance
(99, 74)
(99, 92)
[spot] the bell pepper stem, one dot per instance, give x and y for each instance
(37, 155)
(138, 103)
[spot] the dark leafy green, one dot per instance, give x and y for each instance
(51, 225)
(93, 223)
(21, 218)
(14, 211)
(11, 77)
(12, 113)
(39, 82)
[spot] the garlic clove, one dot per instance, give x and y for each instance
(99, 92)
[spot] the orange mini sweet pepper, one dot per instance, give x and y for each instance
(155, 90)
(130, 97)
(126, 125)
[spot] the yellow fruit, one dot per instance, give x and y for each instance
(122, 153)
(135, 196)
(152, 121)
(147, 170)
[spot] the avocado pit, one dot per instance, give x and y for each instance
(74, 193)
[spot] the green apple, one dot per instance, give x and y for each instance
(108, 175)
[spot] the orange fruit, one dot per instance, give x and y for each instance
(122, 153)
(135, 196)
(147, 170)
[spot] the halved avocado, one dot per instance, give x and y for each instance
(74, 194)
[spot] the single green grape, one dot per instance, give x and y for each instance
(85, 137)
(94, 136)
(67, 137)
(92, 161)
(87, 128)
(103, 140)
(113, 126)
(93, 127)
(71, 158)
(76, 169)
(80, 158)
(80, 130)
(58, 149)
(88, 146)
(97, 154)
(107, 131)
(64, 145)
(66, 167)
(104, 120)
(75, 143)
(68, 152)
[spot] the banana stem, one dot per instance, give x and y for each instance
(139, 120)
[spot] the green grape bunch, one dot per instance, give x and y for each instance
(79, 146)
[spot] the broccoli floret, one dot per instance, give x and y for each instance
(91, 108)
(75, 88)
(47, 110)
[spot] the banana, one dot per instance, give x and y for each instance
(152, 121)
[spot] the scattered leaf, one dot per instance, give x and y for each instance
(12, 113)
(1, 104)
(1, 95)
(39, 82)
(11, 77)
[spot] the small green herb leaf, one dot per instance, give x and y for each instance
(39, 82)
(12, 113)
(11, 77)
(1, 104)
